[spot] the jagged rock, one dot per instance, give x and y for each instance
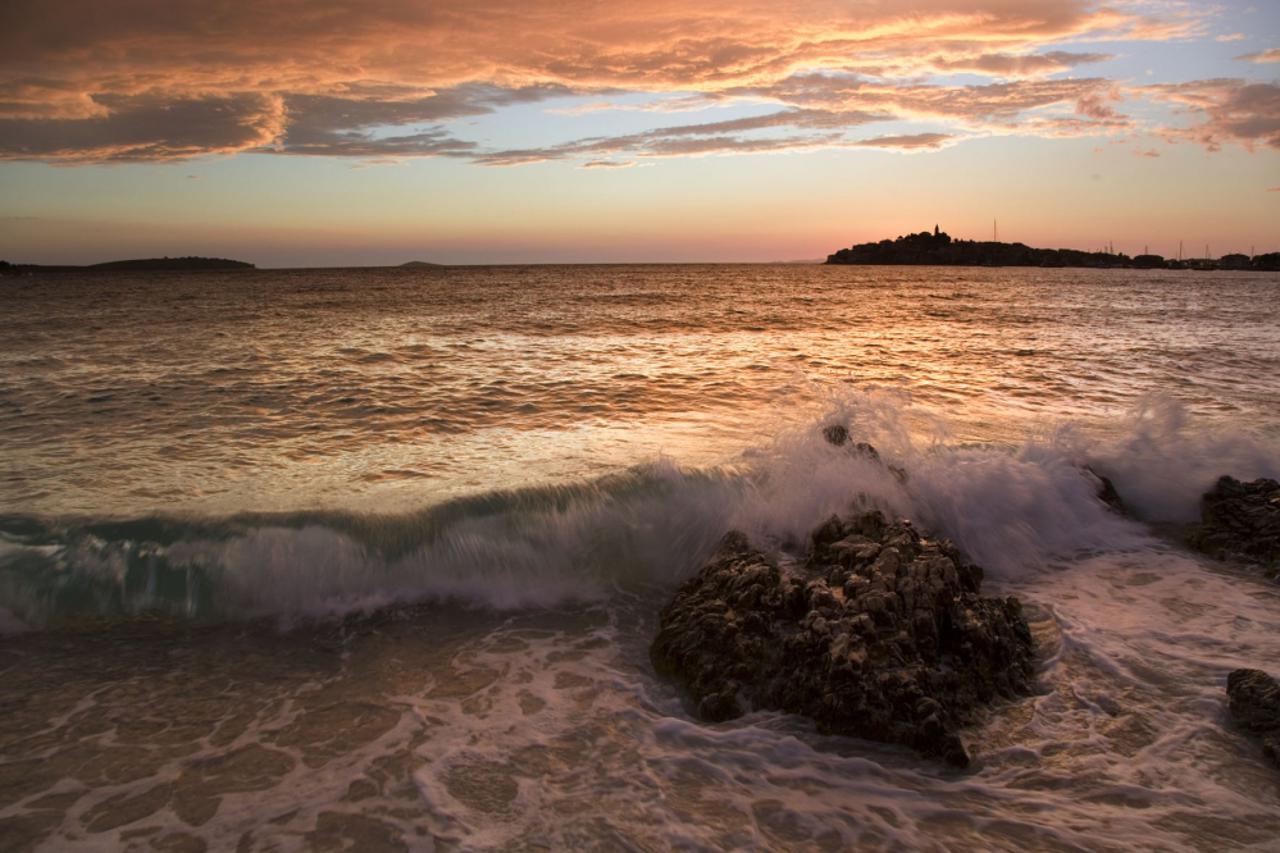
(1255, 707)
(881, 634)
(1105, 490)
(836, 434)
(1241, 521)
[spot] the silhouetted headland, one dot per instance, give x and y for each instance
(938, 249)
(138, 264)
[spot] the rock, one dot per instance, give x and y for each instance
(1241, 521)
(880, 634)
(1255, 707)
(838, 435)
(1105, 490)
(865, 450)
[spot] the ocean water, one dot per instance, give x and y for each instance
(370, 559)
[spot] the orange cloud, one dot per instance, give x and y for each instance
(85, 81)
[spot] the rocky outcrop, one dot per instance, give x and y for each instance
(1255, 707)
(1241, 521)
(838, 436)
(879, 634)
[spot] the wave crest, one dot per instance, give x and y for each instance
(1011, 509)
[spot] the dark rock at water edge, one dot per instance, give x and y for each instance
(1241, 521)
(881, 634)
(836, 434)
(1105, 490)
(1255, 707)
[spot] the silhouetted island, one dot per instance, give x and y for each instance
(415, 264)
(938, 249)
(138, 264)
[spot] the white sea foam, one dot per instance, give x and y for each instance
(1162, 461)
(1122, 750)
(1013, 510)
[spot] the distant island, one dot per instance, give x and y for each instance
(138, 264)
(412, 264)
(938, 249)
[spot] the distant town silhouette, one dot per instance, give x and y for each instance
(938, 249)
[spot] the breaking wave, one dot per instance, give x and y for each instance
(1013, 510)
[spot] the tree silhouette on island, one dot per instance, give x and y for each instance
(938, 249)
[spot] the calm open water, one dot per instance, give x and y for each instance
(305, 559)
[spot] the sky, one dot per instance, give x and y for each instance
(323, 133)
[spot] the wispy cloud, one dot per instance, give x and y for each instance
(679, 104)
(1029, 65)
(1261, 57)
(608, 164)
(909, 142)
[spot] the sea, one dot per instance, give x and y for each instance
(371, 559)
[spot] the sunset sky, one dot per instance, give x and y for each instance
(293, 133)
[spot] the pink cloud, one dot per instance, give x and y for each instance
(1228, 111)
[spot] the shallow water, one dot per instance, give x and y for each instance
(211, 483)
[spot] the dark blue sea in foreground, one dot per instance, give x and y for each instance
(371, 559)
